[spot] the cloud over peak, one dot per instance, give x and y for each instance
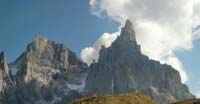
(162, 27)
(90, 54)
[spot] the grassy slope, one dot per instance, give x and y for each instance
(133, 98)
(191, 101)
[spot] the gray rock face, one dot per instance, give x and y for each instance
(122, 68)
(50, 73)
(45, 57)
(46, 73)
(3, 64)
(5, 79)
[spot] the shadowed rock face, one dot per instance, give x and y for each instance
(46, 73)
(45, 55)
(5, 79)
(3, 64)
(49, 73)
(122, 68)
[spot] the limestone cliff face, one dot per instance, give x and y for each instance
(47, 73)
(3, 64)
(45, 57)
(122, 68)
(5, 78)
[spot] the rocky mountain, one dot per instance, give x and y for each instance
(46, 73)
(122, 68)
(132, 98)
(49, 73)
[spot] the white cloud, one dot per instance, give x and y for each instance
(162, 27)
(92, 53)
(196, 13)
(196, 19)
(174, 61)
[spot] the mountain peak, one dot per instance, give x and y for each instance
(122, 68)
(128, 24)
(40, 40)
(127, 38)
(39, 37)
(38, 43)
(127, 32)
(125, 43)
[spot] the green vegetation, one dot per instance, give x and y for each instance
(133, 98)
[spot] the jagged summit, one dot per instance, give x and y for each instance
(128, 24)
(126, 42)
(39, 43)
(48, 72)
(44, 55)
(39, 37)
(122, 68)
(127, 33)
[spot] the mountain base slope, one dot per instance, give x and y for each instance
(132, 98)
(190, 101)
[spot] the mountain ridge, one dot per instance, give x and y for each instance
(49, 73)
(122, 68)
(46, 72)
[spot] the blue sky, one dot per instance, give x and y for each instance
(64, 21)
(69, 22)
(190, 60)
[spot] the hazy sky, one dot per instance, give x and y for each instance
(82, 23)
